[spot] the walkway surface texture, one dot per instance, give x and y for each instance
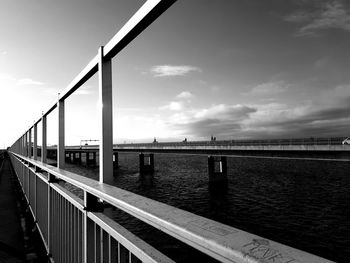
(11, 234)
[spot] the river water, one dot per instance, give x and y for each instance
(300, 203)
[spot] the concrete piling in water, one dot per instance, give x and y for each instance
(76, 158)
(115, 159)
(146, 163)
(94, 159)
(79, 158)
(87, 158)
(217, 169)
(91, 159)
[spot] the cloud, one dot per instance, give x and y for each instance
(322, 62)
(332, 14)
(171, 70)
(297, 17)
(183, 100)
(222, 120)
(28, 81)
(312, 123)
(9, 79)
(3, 52)
(268, 88)
(327, 115)
(173, 106)
(184, 95)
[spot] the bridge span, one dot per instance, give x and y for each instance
(217, 152)
(300, 148)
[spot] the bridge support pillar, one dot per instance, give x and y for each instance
(115, 159)
(75, 157)
(94, 159)
(79, 158)
(146, 163)
(91, 161)
(217, 169)
(86, 158)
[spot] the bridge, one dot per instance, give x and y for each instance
(75, 229)
(326, 149)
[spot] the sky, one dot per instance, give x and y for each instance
(233, 69)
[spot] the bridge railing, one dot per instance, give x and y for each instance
(77, 230)
(272, 142)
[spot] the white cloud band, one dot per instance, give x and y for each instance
(171, 70)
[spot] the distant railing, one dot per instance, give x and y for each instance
(272, 142)
(76, 230)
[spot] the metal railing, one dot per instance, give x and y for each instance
(77, 230)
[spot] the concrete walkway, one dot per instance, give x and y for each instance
(11, 234)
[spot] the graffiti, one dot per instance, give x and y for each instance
(260, 249)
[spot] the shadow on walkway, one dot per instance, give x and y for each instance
(18, 240)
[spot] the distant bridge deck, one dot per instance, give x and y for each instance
(320, 148)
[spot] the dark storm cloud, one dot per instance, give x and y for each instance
(318, 123)
(206, 127)
(227, 122)
(222, 120)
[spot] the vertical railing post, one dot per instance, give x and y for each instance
(43, 144)
(106, 118)
(30, 143)
(21, 145)
(35, 149)
(60, 146)
(26, 143)
(51, 179)
(90, 204)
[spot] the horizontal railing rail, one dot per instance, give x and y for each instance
(72, 231)
(222, 242)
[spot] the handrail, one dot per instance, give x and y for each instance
(222, 242)
(135, 245)
(148, 13)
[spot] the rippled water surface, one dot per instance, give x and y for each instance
(303, 204)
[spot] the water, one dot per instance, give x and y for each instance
(303, 204)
